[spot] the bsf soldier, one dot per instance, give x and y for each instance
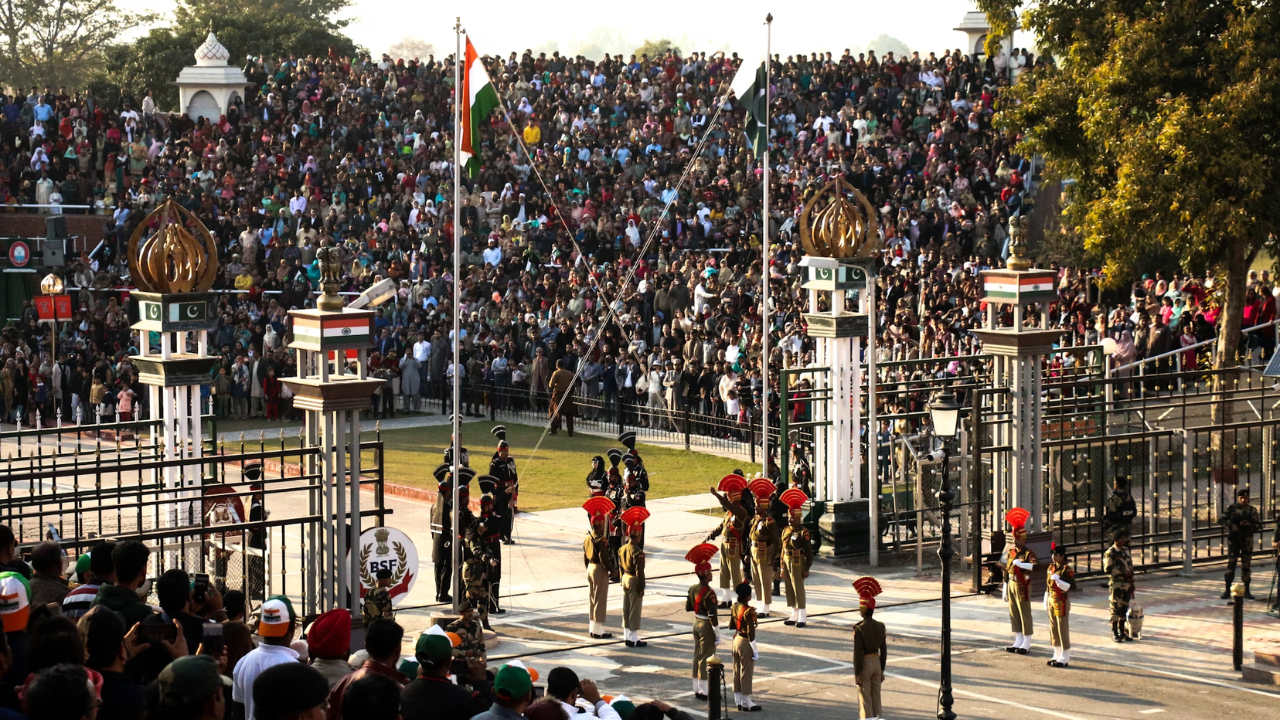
(797, 557)
(1120, 510)
(701, 601)
(1061, 580)
(492, 539)
(765, 544)
(599, 563)
(1241, 521)
(598, 478)
(1119, 568)
(742, 621)
(471, 639)
(732, 532)
(503, 468)
(441, 529)
(476, 571)
(870, 649)
(631, 562)
(1018, 563)
(377, 604)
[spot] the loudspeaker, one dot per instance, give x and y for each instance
(55, 227)
(55, 252)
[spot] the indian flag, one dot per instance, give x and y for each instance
(478, 100)
(1020, 286)
(333, 332)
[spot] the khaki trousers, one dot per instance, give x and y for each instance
(1019, 614)
(1060, 631)
(869, 690)
(632, 600)
(730, 570)
(793, 582)
(704, 646)
(598, 582)
(762, 578)
(743, 666)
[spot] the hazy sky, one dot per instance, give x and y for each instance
(500, 26)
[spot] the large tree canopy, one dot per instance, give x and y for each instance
(260, 28)
(57, 42)
(1167, 117)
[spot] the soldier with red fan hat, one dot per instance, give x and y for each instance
(631, 563)
(701, 601)
(797, 556)
(1019, 562)
(765, 543)
(743, 622)
(732, 532)
(1062, 580)
(870, 649)
(599, 562)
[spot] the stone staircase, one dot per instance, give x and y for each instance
(1265, 668)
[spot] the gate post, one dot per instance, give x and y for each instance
(1188, 497)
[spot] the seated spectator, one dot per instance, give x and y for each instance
(656, 710)
(52, 640)
(290, 691)
(80, 598)
(10, 703)
(130, 560)
(276, 628)
(372, 697)
(14, 616)
(107, 649)
(173, 590)
(512, 693)
(329, 643)
(431, 696)
(382, 641)
(48, 587)
(578, 697)
(233, 605)
(9, 559)
(63, 692)
(190, 688)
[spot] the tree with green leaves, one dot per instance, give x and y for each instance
(58, 42)
(656, 49)
(1167, 117)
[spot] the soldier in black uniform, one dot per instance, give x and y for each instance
(629, 439)
(632, 496)
(464, 461)
(256, 561)
(492, 538)
(1120, 510)
(613, 524)
(1241, 522)
(597, 478)
(441, 525)
(503, 468)
(614, 476)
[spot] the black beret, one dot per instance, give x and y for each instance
(285, 690)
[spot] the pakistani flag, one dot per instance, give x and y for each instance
(751, 86)
(478, 100)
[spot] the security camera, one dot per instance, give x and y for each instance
(937, 455)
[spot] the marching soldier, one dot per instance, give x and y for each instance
(377, 604)
(1062, 580)
(797, 557)
(441, 528)
(613, 524)
(476, 571)
(464, 458)
(1119, 568)
(779, 511)
(742, 620)
(1120, 510)
(598, 478)
(599, 564)
(870, 649)
(765, 544)
(631, 562)
(732, 532)
(471, 639)
(701, 601)
(629, 439)
(503, 468)
(492, 539)
(1018, 562)
(1241, 521)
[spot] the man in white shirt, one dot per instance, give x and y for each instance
(823, 122)
(276, 628)
(422, 349)
(493, 254)
(578, 698)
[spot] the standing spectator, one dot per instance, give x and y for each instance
(329, 641)
(130, 560)
(372, 697)
(289, 691)
(431, 696)
(190, 688)
(271, 390)
(9, 559)
(62, 692)
(382, 640)
(108, 648)
(48, 587)
(276, 627)
(512, 694)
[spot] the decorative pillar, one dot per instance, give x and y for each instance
(332, 346)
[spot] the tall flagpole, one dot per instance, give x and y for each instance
(455, 548)
(764, 261)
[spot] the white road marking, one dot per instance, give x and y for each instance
(1194, 678)
(579, 638)
(1152, 711)
(988, 698)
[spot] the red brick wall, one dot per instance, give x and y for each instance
(30, 225)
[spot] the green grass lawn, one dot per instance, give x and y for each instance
(554, 476)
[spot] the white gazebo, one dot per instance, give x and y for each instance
(975, 27)
(206, 89)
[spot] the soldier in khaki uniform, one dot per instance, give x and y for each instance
(764, 543)
(742, 620)
(599, 563)
(870, 650)
(631, 562)
(1119, 568)
(470, 639)
(701, 601)
(732, 532)
(476, 569)
(1241, 522)
(797, 556)
(1061, 580)
(1019, 562)
(377, 604)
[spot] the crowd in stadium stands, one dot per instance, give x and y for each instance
(614, 227)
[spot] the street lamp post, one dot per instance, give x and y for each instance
(52, 286)
(944, 412)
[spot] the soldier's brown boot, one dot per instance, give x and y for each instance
(1248, 595)
(1115, 632)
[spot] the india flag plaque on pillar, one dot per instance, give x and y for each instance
(1019, 287)
(321, 330)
